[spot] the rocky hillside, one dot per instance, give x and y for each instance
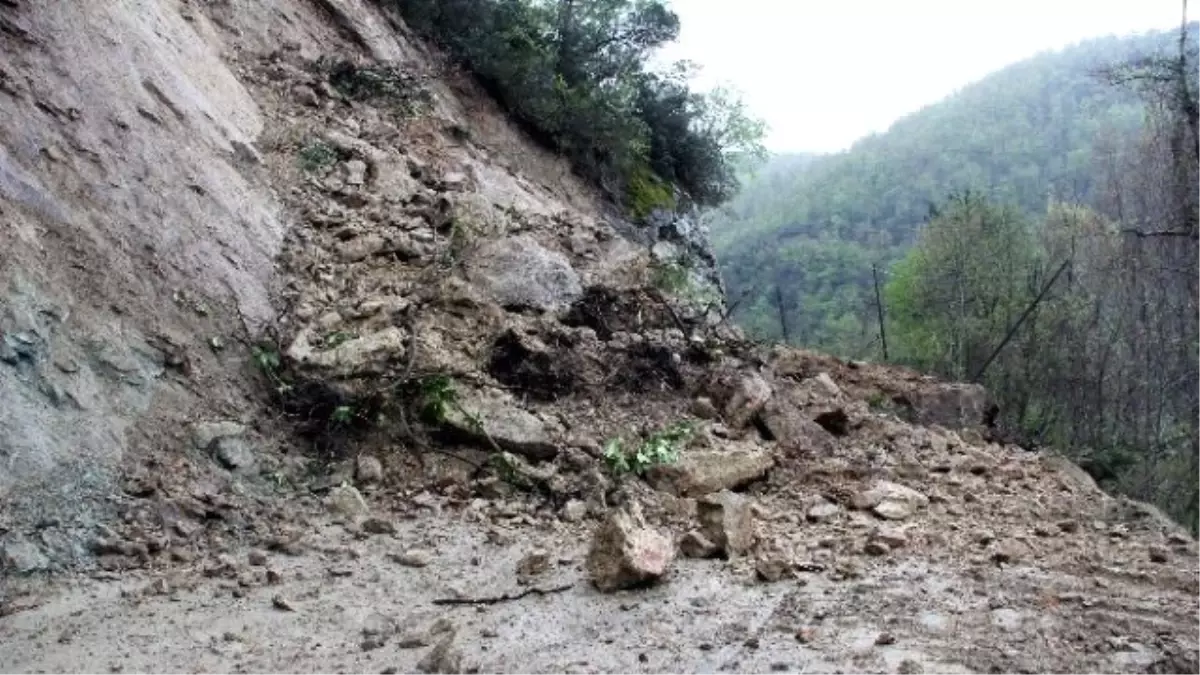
(309, 360)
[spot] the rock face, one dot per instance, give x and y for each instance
(519, 272)
(94, 357)
(626, 553)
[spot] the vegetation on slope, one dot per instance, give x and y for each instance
(805, 234)
(574, 74)
(1080, 320)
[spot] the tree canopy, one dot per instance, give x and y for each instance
(575, 74)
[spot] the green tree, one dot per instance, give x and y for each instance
(961, 286)
(574, 74)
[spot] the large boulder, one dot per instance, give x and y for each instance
(727, 520)
(793, 430)
(751, 394)
(700, 472)
(891, 501)
(518, 272)
(368, 354)
(492, 417)
(951, 405)
(625, 553)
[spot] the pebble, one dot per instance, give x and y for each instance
(415, 557)
(282, 603)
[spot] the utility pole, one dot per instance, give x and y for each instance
(879, 308)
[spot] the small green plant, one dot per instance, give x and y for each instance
(337, 338)
(437, 395)
(266, 356)
(317, 156)
(661, 447)
(877, 400)
(343, 414)
(671, 277)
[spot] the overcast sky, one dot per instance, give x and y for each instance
(824, 73)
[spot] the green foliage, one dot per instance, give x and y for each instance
(336, 338)
(574, 75)
(317, 156)
(342, 414)
(646, 192)
(661, 447)
(961, 286)
(267, 357)
(813, 225)
(437, 396)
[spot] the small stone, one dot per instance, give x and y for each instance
(805, 635)
(770, 568)
(893, 510)
(21, 556)
(695, 545)
(1159, 554)
(346, 501)
(752, 642)
(876, 548)
(705, 409)
(748, 400)
(414, 558)
(443, 658)
(233, 453)
(378, 625)
(274, 578)
(727, 520)
(356, 172)
(368, 469)
(533, 564)
(1010, 552)
(257, 558)
(204, 433)
(454, 181)
(910, 667)
(360, 248)
(376, 525)
(574, 511)
(885, 638)
(305, 95)
(900, 499)
(822, 511)
(893, 538)
(281, 603)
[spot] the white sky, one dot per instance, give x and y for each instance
(824, 73)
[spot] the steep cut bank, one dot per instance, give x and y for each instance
(302, 336)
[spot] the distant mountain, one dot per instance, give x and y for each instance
(811, 226)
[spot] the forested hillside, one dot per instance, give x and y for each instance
(805, 232)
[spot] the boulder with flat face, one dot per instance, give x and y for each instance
(518, 272)
(700, 472)
(626, 553)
